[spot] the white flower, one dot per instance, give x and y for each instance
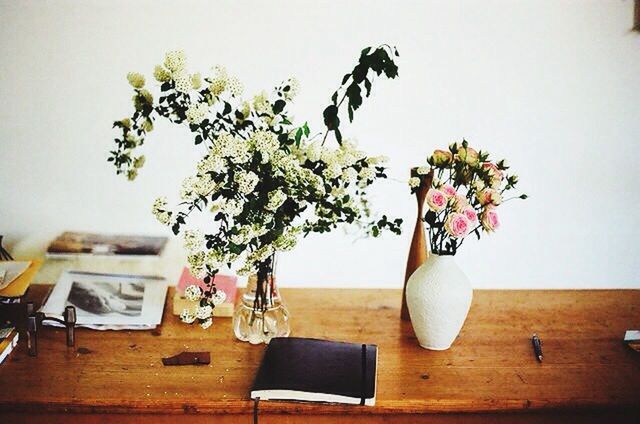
(367, 174)
(276, 199)
(414, 182)
(135, 79)
(265, 142)
(199, 185)
(217, 86)
(423, 170)
(235, 87)
(175, 61)
(350, 175)
(187, 316)
(332, 171)
(235, 148)
(286, 241)
(246, 181)
(294, 87)
(196, 113)
(182, 82)
(196, 81)
(232, 207)
(261, 103)
(160, 211)
(313, 151)
(212, 163)
(215, 259)
(196, 264)
(206, 324)
(243, 236)
(218, 297)
(193, 293)
(193, 240)
(204, 312)
(246, 269)
(375, 160)
(139, 161)
(161, 74)
(261, 254)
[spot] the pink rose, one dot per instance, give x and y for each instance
(457, 225)
(441, 158)
(448, 190)
(490, 221)
(494, 174)
(460, 203)
(436, 200)
(489, 196)
(468, 155)
(470, 214)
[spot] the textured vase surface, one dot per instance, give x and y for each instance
(438, 297)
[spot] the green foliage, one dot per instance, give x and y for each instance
(371, 63)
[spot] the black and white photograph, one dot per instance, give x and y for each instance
(109, 301)
(104, 298)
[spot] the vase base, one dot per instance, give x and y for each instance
(434, 347)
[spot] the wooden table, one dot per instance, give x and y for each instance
(490, 371)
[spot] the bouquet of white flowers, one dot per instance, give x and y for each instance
(266, 181)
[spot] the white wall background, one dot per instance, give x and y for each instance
(551, 85)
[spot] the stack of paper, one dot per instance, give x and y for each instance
(109, 301)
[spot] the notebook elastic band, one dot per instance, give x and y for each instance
(255, 410)
(363, 381)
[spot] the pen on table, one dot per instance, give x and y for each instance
(537, 347)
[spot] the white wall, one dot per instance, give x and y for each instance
(551, 85)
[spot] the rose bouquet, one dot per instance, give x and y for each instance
(466, 190)
(265, 180)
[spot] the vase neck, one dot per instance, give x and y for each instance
(434, 257)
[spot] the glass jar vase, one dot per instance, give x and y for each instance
(261, 315)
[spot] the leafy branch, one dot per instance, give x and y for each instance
(353, 84)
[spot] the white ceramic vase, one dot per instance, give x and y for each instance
(438, 297)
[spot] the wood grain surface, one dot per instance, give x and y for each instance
(489, 369)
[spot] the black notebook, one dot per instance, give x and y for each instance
(314, 370)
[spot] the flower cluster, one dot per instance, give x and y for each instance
(265, 181)
(465, 192)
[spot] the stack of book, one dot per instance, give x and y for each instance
(8, 340)
(227, 283)
(73, 244)
(15, 279)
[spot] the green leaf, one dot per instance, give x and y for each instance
(338, 136)
(331, 119)
(345, 78)
(359, 73)
(367, 86)
(306, 130)
(278, 106)
(430, 218)
(353, 93)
